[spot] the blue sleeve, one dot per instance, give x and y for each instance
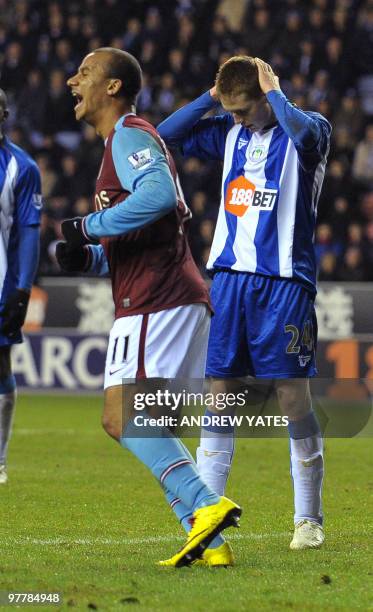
(310, 132)
(98, 263)
(143, 171)
(28, 195)
(197, 137)
(28, 254)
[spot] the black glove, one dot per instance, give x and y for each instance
(72, 260)
(14, 312)
(74, 233)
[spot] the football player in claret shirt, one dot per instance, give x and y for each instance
(162, 314)
(262, 261)
(20, 208)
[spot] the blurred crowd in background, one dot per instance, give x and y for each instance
(322, 51)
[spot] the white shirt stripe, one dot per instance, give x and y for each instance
(244, 246)
(6, 215)
(286, 210)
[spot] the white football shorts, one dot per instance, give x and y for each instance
(167, 344)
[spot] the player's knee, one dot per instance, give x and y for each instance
(111, 426)
(112, 418)
(288, 403)
(294, 398)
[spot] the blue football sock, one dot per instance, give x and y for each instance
(170, 462)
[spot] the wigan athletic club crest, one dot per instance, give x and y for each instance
(257, 153)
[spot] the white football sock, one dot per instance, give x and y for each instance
(7, 403)
(307, 470)
(214, 459)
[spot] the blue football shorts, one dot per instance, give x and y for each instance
(263, 327)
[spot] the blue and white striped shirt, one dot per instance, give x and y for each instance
(270, 188)
(20, 208)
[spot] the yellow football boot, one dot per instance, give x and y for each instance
(208, 522)
(222, 556)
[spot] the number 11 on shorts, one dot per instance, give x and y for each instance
(120, 348)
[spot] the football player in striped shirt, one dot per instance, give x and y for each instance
(20, 208)
(262, 261)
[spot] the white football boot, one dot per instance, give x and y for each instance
(307, 534)
(3, 474)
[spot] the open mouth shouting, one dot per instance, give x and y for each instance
(78, 100)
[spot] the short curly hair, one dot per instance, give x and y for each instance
(238, 75)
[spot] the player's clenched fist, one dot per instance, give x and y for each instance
(268, 81)
(74, 232)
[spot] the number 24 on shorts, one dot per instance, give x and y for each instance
(305, 337)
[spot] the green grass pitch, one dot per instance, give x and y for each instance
(80, 516)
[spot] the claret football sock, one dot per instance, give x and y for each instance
(170, 462)
(214, 455)
(7, 403)
(307, 468)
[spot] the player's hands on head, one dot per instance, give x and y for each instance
(213, 93)
(74, 233)
(14, 312)
(268, 81)
(72, 260)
